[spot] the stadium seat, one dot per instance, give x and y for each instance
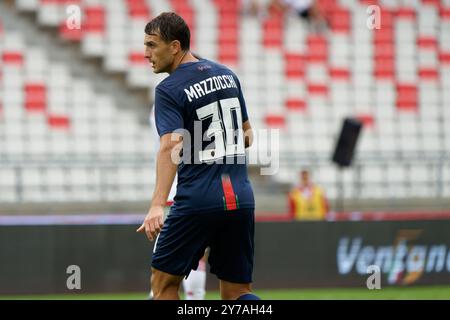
(317, 48)
(296, 104)
(275, 121)
(294, 66)
(406, 97)
(35, 97)
(317, 89)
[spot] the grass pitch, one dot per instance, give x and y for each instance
(387, 293)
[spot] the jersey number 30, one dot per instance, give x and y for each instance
(227, 133)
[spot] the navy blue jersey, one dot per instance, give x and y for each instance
(203, 101)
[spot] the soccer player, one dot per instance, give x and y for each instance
(201, 118)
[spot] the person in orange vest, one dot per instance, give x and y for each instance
(307, 201)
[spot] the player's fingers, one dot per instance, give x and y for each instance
(156, 227)
(157, 224)
(161, 221)
(153, 228)
(141, 228)
(149, 233)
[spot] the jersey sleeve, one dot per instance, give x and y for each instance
(168, 113)
(242, 101)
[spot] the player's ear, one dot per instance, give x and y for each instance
(175, 47)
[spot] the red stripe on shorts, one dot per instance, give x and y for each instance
(230, 198)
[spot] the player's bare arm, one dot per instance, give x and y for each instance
(248, 133)
(166, 169)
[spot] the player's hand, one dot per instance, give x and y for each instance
(153, 222)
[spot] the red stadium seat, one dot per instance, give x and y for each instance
(228, 20)
(387, 19)
(228, 35)
(294, 66)
(275, 121)
(139, 12)
(407, 97)
(35, 97)
(137, 58)
(384, 51)
(383, 35)
(340, 20)
(95, 19)
(317, 89)
(369, 2)
(367, 120)
(69, 34)
(228, 24)
(444, 13)
(428, 74)
(316, 41)
(424, 42)
(12, 57)
(327, 7)
(444, 57)
(227, 5)
(435, 3)
(317, 48)
(183, 8)
(272, 39)
(339, 74)
(273, 32)
(58, 122)
(295, 104)
(405, 13)
(138, 9)
(229, 53)
(384, 68)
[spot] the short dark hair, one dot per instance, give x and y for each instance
(170, 26)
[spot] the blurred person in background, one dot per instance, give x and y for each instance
(307, 201)
(257, 8)
(305, 9)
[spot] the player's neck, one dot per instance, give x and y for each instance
(185, 57)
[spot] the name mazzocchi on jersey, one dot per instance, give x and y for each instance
(207, 86)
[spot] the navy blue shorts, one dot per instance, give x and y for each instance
(228, 234)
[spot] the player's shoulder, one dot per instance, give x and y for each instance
(167, 89)
(215, 64)
(163, 86)
(208, 67)
(221, 67)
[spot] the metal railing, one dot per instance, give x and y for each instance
(107, 180)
